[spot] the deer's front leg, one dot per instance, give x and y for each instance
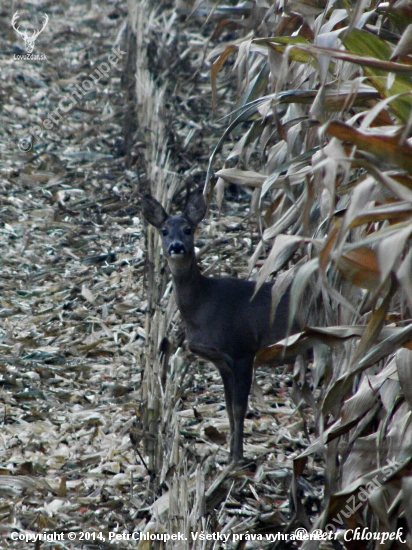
(242, 377)
(225, 366)
(228, 384)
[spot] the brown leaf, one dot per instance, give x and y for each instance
(215, 435)
(360, 267)
(387, 148)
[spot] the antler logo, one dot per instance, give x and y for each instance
(29, 40)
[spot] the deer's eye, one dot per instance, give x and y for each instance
(165, 232)
(187, 231)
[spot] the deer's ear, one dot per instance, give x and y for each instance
(196, 209)
(153, 211)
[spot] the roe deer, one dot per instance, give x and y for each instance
(223, 324)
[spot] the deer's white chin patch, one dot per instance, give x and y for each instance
(177, 254)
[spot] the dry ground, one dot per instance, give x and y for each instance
(72, 313)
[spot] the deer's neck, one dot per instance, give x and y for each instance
(185, 272)
(187, 284)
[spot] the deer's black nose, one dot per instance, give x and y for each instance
(177, 248)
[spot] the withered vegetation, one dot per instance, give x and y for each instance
(298, 120)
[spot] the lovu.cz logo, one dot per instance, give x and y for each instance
(29, 40)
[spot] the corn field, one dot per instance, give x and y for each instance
(294, 117)
(317, 132)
